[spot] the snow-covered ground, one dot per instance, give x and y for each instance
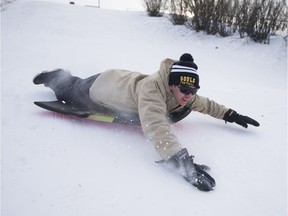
(56, 165)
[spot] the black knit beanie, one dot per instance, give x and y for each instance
(184, 72)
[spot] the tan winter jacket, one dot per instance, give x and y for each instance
(150, 97)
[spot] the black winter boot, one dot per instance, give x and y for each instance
(46, 77)
(195, 174)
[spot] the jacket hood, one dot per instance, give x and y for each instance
(164, 71)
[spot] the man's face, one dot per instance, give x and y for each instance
(180, 97)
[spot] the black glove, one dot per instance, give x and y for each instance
(193, 173)
(233, 116)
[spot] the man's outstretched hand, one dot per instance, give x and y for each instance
(233, 116)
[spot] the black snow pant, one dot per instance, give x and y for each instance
(73, 90)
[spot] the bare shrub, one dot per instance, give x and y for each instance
(154, 7)
(178, 10)
(257, 19)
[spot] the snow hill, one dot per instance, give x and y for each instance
(56, 165)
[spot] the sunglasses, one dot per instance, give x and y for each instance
(187, 90)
